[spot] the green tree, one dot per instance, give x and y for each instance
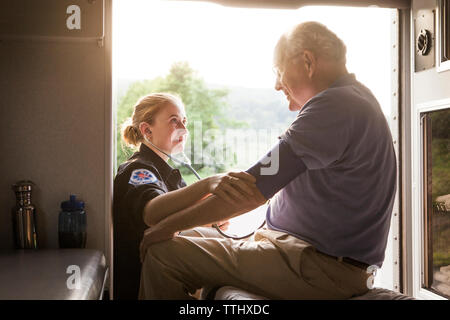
(203, 105)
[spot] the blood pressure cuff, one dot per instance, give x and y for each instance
(276, 169)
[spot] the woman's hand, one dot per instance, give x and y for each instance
(231, 186)
(153, 235)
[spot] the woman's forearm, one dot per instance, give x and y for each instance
(210, 210)
(205, 212)
(164, 205)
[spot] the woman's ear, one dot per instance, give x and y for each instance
(144, 128)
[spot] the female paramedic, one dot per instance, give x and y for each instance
(147, 189)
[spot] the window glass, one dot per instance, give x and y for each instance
(437, 200)
(446, 29)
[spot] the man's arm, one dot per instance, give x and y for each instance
(230, 188)
(212, 209)
(284, 166)
(276, 169)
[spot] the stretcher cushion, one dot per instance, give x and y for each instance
(51, 274)
(232, 293)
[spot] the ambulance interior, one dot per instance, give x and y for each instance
(59, 130)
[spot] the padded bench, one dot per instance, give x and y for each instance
(51, 274)
(232, 293)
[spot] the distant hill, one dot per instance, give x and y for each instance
(262, 108)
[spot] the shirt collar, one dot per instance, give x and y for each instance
(344, 80)
(163, 167)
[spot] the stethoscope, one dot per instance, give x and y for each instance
(187, 164)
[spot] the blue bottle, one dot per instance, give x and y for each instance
(72, 224)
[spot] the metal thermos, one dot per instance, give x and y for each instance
(24, 216)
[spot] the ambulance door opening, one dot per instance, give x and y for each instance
(219, 61)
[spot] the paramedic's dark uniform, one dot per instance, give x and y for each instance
(141, 178)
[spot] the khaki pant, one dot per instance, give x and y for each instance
(272, 264)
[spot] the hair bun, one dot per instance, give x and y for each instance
(131, 134)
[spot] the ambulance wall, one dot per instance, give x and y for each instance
(429, 85)
(55, 129)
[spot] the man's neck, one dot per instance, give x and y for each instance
(329, 76)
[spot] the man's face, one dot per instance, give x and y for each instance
(293, 80)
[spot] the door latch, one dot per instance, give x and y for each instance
(424, 42)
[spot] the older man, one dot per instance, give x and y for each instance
(331, 194)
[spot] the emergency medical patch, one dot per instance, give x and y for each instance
(142, 176)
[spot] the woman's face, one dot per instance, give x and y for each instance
(168, 130)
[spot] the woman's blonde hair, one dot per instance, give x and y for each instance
(145, 110)
(312, 36)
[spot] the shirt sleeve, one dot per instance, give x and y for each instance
(139, 191)
(276, 169)
(320, 133)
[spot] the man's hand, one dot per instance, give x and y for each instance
(256, 200)
(231, 186)
(153, 235)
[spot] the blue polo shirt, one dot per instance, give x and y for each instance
(336, 181)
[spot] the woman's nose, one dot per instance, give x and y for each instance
(181, 129)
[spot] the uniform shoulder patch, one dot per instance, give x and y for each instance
(142, 176)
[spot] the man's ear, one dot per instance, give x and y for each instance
(310, 62)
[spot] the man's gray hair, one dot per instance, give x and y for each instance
(312, 36)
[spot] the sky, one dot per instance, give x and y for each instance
(234, 46)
